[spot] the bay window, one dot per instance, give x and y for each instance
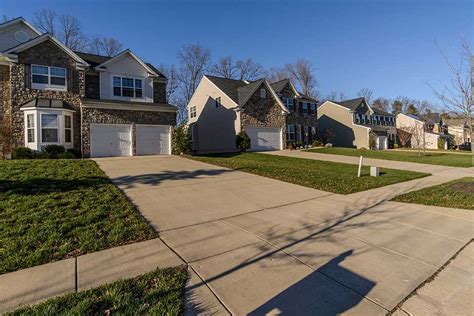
(49, 128)
(30, 128)
(67, 129)
(49, 78)
(127, 87)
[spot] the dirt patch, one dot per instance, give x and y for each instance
(467, 187)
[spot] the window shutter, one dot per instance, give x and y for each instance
(27, 76)
(69, 79)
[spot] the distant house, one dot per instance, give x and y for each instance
(355, 123)
(458, 129)
(271, 114)
(424, 132)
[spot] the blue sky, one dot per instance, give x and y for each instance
(387, 46)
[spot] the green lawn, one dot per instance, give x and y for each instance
(56, 209)
(457, 194)
(322, 175)
(157, 293)
(432, 158)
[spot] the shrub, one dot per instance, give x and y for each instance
(77, 153)
(22, 153)
(372, 143)
(317, 143)
(441, 143)
(66, 155)
(181, 141)
(54, 149)
(395, 146)
(242, 141)
(291, 146)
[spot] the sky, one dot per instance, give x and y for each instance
(386, 46)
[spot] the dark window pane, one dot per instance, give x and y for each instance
(40, 79)
(138, 93)
(58, 72)
(58, 81)
(138, 83)
(127, 92)
(67, 121)
(127, 82)
(30, 120)
(67, 136)
(39, 70)
(117, 91)
(117, 81)
(31, 135)
(49, 135)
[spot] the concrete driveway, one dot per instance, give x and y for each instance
(265, 246)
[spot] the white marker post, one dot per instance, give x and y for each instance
(360, 167)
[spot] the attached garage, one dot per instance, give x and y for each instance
(264, 138)
(111, 140)
(153, 140)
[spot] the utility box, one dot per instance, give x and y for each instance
(374, 171)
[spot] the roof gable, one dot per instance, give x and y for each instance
(124, 54)
(19, 20)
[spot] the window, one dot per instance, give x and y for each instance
(218, 101)
(313, 109)
(49, 128)
(313, 133)
(67, 129)
(263, 93)
(305, 108)
(306, 131)
(192, 112)
(44, 77)
(290, 132)
(30, 128)
(127, 87)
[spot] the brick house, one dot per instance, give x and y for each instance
(271, 114)
(101, 106)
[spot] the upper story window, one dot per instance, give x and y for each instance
(50, 78)
(128, 87)
(305, 108)
(192, 112)
(263, 93)
(218, 101)
(312, 108)
(288, 101)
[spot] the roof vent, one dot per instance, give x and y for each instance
(21, 36)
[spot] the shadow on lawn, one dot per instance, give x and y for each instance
(44, 185)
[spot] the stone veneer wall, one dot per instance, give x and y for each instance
(258, 112)
(109, 116)
(92, 85)
(48, 54)
(5, 109)
(159, 91)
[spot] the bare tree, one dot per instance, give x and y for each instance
(335, 96)
(381, 103)
(457, 96)
(275, 74)
(225, 67)
(247, 69)
(302, 72)
(102, 45)
(70, 32)
(45, 21)
(171, 73)
(366, 93)
(193, 63)
(397, 107)
(404, 137)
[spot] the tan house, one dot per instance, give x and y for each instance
(354, 123)
(459, 131)
(422, 133)
(270, 114)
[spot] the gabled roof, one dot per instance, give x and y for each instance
(18, 20)
(304, 96)
(351, 104)
(240, 91)
(380, 112)
(41, 39)
(279, 85)
(128, 52)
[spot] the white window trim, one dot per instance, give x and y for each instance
(49, 86)
(112, 96)
(27, 128)
(192, 111)
(58, 128)
(70, 128)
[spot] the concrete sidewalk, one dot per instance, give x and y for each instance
(389, 164)
(36, 284)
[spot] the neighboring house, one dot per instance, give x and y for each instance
(355, 123)
(422, 133)
(102, 106)
(270, 114)
(434, 123)
(458, 129)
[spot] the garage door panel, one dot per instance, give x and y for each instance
(110, 140)
(263, 139)
(153, 140)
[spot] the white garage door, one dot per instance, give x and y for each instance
(111, 140)
(381, 143)
(153, 140)
(264, 138)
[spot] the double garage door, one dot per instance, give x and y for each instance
(264, 138)
(115, 140)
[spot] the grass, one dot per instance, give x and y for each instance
(157, 293)
(56, 209)
(458, 194)
(432, 158)
(321, 175)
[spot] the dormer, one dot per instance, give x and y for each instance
(126, 77)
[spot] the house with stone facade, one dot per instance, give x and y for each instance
(271, 114)
(355, 123)
(98, 105)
